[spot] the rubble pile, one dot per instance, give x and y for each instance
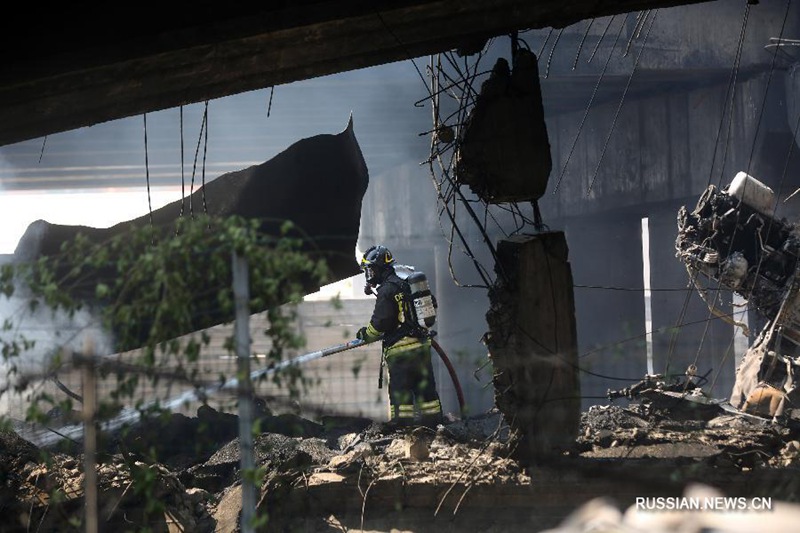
(332, 463)
(726, 441)
(353, 474)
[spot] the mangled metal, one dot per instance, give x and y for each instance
(733, 238)
(654, 382)
(678, 397)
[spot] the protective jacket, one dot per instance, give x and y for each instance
(389, 318)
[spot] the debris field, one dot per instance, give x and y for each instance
(353, 474)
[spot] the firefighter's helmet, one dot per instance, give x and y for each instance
(376, 263)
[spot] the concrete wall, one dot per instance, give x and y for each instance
(344, 383)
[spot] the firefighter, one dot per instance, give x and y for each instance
(406, 345)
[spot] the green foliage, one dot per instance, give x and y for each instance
(147, 283)
(143, 284)
(358, 365)
(255, 476)
(336, 302)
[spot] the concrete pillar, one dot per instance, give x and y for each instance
(684, 330)
(533, 343)
(606, 258)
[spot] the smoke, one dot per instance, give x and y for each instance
(33, 339)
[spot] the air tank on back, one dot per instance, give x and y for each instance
(424, 303)
(422, 298)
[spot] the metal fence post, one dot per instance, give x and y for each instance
(86, 362)
(241, 294)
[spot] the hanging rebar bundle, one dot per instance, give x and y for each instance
(504, 152)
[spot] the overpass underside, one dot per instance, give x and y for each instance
(82, 65)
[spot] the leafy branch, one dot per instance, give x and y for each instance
(155, 289)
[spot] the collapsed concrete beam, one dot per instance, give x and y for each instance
(318, 183)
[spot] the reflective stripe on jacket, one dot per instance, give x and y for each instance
(406, 344)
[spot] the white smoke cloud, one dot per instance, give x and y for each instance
(51, 334)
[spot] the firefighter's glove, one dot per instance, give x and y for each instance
(362, 334)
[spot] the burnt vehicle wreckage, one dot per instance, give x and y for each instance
(733, 238)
